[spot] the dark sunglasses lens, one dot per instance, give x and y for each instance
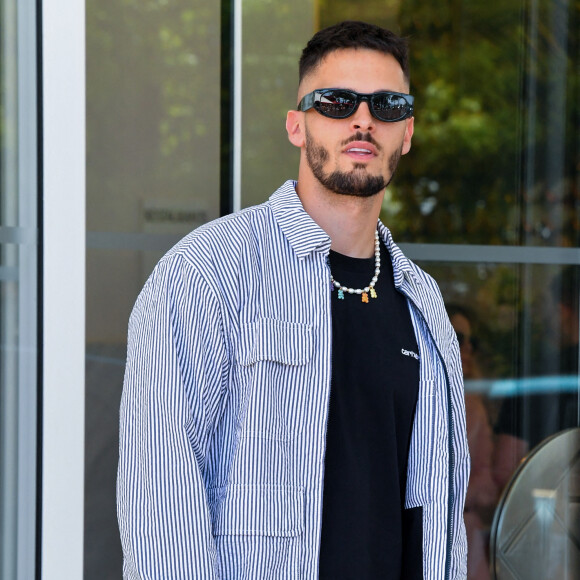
(335, 104)
(460, 338)
(390, 107)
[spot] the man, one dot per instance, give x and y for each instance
(293, 401)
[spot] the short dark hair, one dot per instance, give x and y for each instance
(353, 34)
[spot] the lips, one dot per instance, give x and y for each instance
(360, 149)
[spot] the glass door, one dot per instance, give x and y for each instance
(487, 201)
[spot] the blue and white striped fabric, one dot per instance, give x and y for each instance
(225, 402)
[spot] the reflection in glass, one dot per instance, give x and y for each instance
(536, 529)
(496, 146)
(545, 400)
(482, 490)
(518, 392)
(269, 90)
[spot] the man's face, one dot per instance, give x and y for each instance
(358, 180)
(357, 155)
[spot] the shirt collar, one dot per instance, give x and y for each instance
(306, 236)
(303, 233)
(402, 269)
(405, 274)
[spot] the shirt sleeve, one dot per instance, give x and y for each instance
(174, 380)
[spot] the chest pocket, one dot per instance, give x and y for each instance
(258, 510)
(267, 339)
(274, 372)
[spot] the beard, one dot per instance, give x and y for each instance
(356, 182)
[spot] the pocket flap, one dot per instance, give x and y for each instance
(258, 510)
(275, 340)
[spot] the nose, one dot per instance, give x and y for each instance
(362, 120)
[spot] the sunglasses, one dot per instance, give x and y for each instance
(341, 103)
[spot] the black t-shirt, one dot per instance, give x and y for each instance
(366, 533)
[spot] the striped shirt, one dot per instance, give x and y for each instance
(225, 402)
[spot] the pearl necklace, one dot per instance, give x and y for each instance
(364, 292)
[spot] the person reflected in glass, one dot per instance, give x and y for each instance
(482, 490)
(531, 416)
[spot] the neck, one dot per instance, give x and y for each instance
(349, 221)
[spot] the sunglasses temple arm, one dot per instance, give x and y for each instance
(307, 102)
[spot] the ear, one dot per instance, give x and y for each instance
(409, 127)
(294, 127)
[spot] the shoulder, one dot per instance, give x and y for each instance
(224, 237)
(407, 272)
(427, 283)
(204, 267)
(217, 246)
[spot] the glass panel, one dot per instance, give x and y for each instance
(495, 162)
(269, 88)
(105, 365)
(152, 114)
(153, 130)
(518, 333)
(497, 141)
(496, 144)
(18, 283)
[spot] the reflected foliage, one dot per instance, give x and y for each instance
(148, 126)
(496, 151)
(274, 33)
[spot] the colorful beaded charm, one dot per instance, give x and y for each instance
(371, 287)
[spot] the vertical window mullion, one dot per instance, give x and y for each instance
(63, 288)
